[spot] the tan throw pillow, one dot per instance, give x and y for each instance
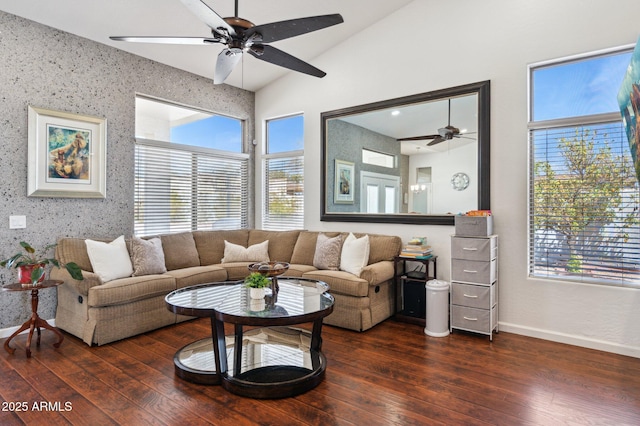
(254, 253)
(147, 257)
(327, 255)
(355, 254)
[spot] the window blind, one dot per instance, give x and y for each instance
(583, 205)
(186, 189)
(284, 196)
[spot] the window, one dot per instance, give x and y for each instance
(583, 194)
(284, 174)
(378, 158)
(190, 173)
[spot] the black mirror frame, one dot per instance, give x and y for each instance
(483, 89)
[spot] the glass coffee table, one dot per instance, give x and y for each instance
(271, 359)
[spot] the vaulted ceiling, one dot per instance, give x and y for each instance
(97, 20)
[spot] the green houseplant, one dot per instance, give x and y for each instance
(31, 264)
(256, 282)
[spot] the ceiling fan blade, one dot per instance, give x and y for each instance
(278, 57)
(294, 27)
(418, 138)
(209, 17)
(227, 61)
(167, 40)
(436, 141)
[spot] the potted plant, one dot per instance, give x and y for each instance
(30, 264)
(256, 282)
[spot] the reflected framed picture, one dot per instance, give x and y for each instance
(67, 155)
(344, 182)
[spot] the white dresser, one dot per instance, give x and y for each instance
(474, 284)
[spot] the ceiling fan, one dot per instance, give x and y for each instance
(240, 35)
(444, 133)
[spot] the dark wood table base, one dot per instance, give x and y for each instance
(35, 322)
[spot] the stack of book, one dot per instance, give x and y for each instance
(417, 248)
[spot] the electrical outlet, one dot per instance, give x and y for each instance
(17, 222)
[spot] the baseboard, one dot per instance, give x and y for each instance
(571, 339)
(6, 332)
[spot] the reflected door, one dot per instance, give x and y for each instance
(379, 193)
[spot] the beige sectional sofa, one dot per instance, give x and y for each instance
(102, 312)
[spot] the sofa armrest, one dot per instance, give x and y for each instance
(378, 272)
(91, 279)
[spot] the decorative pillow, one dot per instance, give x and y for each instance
(355, 254)
(327, 254)
(255, 253)
(109, 260)
(147, 257)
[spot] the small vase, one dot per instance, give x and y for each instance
(257, 305)
(256, 293)
(24, 274)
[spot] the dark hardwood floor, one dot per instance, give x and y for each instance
(390, 375)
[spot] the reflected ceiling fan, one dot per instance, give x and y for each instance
(240, 35)
(444, 133)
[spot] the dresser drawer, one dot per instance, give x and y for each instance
(473, 271)
(474, 296)
(474, 248)
(473, 319)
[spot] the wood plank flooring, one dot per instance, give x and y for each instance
(390, 375)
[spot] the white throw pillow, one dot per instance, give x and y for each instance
(255, 253)
(110, 260)
(355, 254)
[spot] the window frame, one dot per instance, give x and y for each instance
(281, 155)
(196, 152)
(575, 121)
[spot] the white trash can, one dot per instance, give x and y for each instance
(437, 308)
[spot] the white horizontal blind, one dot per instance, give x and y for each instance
(185, 189)
(284, 197)
(584, 205)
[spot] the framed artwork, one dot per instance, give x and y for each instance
(629, 101)
(344, 182)
(67, 155)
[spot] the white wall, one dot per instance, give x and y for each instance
(431, 45)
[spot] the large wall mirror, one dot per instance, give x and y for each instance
(418, 159)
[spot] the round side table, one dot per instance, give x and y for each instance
(35, 322)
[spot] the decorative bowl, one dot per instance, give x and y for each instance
(270, 269)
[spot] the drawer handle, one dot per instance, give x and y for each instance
(470, 248)
(470, 319)
(471, 296)
(469, 272)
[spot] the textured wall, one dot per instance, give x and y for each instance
(51, 69)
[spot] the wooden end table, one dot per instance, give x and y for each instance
(35, 322)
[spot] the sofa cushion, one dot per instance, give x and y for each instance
(355, 254)
(74, 250)
(236, 270)
(130, 289)
(210, 244)
(382, 247)
(255, 253)
(198, 275)
(282, 242)
(110, 260)
(341, 282)
(147, 256)
(296, 270)
(180, 251)
(327, 254)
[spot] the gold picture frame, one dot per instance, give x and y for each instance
(344, 182)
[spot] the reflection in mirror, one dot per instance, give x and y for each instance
(418, 159)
